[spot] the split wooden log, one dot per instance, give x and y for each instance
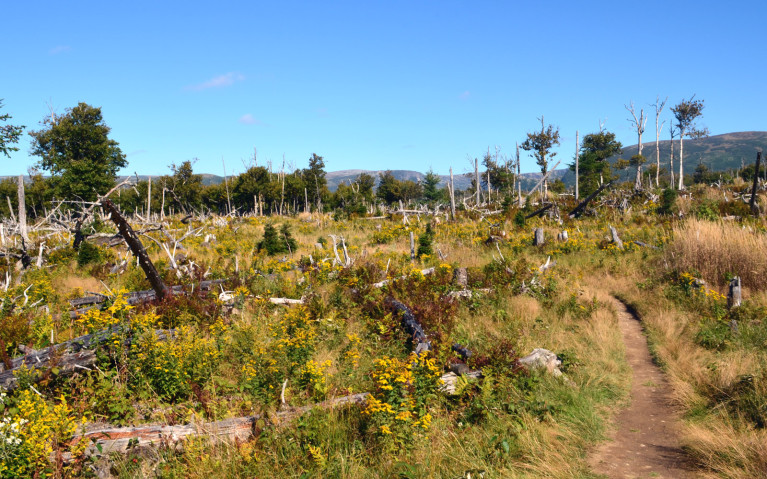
(562, 236)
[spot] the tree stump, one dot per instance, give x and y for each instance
(461, 277)
(615, 238)
(562, 236)
(734, 293)
(538, 239)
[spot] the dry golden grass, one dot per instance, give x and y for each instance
(727, 450)
(716, 249)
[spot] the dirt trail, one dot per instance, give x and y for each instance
(646, 442)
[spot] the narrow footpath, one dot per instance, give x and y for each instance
(645, 443)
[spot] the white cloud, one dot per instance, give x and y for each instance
(59, 49)
(248, 119)
(227, 79)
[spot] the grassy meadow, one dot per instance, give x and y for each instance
(230, 352)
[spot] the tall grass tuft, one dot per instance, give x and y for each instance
(718, 250)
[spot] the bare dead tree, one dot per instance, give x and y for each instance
(639, 125)
(577, 172)
(658, 127)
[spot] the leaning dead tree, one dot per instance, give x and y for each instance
(578, 210)
(134, 243)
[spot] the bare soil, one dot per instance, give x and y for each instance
(645, 443)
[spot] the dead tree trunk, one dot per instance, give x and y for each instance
(752, 204)
(22, 210)
(131, 238)
(476, 178)
(577, 173)
(538, 238)
(639, 124)
(734, 293)
(452, 195)
(658, 110)
(615, 238)
(578, 210)
(412, 247)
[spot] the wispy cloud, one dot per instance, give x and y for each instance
(136, 153)
(465, 95)
(227, 79)
(248, 119)
(59, 49)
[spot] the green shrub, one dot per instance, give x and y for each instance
(89, 254)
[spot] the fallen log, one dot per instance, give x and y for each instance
(104, 441)
(383, 283)
(412, 326)
(70, 356)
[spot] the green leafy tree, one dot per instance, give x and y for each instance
(76, 150)
(593, 166)
(389, 188)
(315, 179)
(541, 143)
(249, 185)
(277, 243)
(9, 134)
(425, 241)
(430, 191)
(685, 113)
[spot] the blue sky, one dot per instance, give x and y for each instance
(373, 85)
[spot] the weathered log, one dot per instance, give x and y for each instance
(644, 245)
(67, 356)
(412, 326)
(104, 441)
(134, 243)
(538, 238)
(578, 210)
(562, 236)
